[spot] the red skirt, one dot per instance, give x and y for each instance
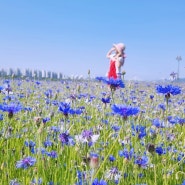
(112, 70)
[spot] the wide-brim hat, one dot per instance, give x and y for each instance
(120, 47)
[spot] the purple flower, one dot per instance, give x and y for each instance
(66, 139)
(14, 182)
(87, 136)
(113, 174)
(26, 162)
(7, 88)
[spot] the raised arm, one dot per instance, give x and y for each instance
(110, 52)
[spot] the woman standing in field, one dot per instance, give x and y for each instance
(117, 57)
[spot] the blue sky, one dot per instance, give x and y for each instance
(73, 36)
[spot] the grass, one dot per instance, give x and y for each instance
(74, 156)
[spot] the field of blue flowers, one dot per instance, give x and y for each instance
(91, 132)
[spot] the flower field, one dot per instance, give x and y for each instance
(93, 132)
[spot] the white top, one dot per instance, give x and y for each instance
(120, 60)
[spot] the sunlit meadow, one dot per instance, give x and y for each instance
(92, 132)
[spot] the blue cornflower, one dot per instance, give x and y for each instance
(29, 143)
(66, 139)
(162, 106)
(38, 83)
(141, 161)
(36, 181)
(26, 162)
(99, 78)
(64, 108)
(48, 93)
(151, 96)
(183, 183)
(114, 83)
(141, 175)
(47, 101)
(50, 183)
(159, 124)
(105, 121)
(44, 120)
(180, 102)
(173, 120)
(106, 100)
(124, 110)
(29, 109)
(47, 143)
(52, 154)
(159, 150)
(31, 146)
(54, 102)
(168, 90)
(77, 111)
(55, 129)
(81, 178)
(116, 128)
(180, 156)
(11, 108)
(1, 88)
(181, 121)
(111, 158)
(140, 130)
(97, 182)
(1, 117)
(126, 154)
(6, 81)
